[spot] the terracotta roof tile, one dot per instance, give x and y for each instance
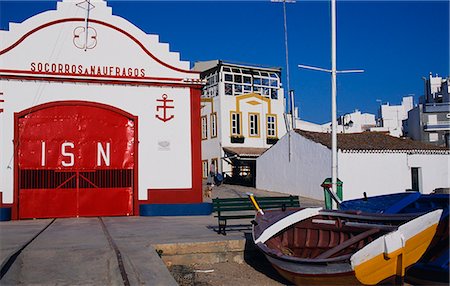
(370, 141)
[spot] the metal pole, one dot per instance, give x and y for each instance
(86, 20)
(287, 50)
(291, 96)
(333, 99)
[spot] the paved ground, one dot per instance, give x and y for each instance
(232, 191)
(77, 251)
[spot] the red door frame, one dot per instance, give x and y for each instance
(18, 115)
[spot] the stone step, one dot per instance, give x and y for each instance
(205, 252)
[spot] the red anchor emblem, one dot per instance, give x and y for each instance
(164, 107)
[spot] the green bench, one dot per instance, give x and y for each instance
(242, 208)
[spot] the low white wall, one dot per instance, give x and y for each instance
(302, 175)
(386, 173)
(373, 173)
(434, 169)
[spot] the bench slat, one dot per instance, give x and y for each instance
(239, 208)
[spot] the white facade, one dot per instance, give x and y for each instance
(48, 56)
(247, 104)
(302, 175)
(375, 172)
(391, 117)
(354, 122)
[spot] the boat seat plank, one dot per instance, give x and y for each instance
(347, 243)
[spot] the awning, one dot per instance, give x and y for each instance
(243, 152)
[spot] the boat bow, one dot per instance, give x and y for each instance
(390, 254)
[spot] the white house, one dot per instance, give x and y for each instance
(97, 117)
(370, 162)
(242, 115)
(391, 117)
(354, 122)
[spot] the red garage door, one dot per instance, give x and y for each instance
(75, 159)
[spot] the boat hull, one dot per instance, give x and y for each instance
(433, 267)
(316, 247)
(337, 274)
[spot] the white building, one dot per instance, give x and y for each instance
(242, 115)
(97, 117)
(391, 117)
(429, 121)
(370, 162)
(355, 122)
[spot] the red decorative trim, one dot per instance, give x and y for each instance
(18, 115)
(194, 194)
(136, 168)
(100, 23)
(98, 81)
(15, 204)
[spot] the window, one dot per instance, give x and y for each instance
(432, 119)
(237, 89)
(253, 124)
(228, 89)
(271, 125)
(434, 137)
(204, 169)
(204, 127)
(235, 123)
(273, 93)
(214, 125)
(228, 77)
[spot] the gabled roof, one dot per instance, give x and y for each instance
(244, 151)
(373, 142)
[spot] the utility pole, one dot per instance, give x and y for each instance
(334, 72)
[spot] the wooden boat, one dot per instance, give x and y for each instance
(312, 246)
(433, 267)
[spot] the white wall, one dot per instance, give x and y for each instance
(57, 44)
(434, 168)
(373, 173)
(156, 166)
(310, 165)
(211, 146)
(386, 173)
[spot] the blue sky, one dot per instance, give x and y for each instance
(396, 43)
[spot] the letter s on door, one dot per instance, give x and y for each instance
(67, 154)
